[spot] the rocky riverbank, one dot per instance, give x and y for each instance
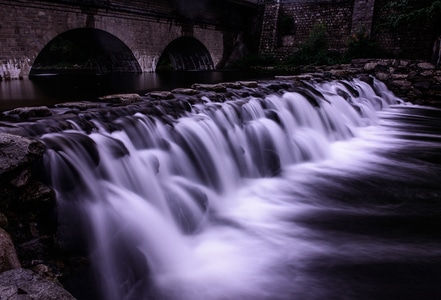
(416, 81)
(31, 258)
(27, 226)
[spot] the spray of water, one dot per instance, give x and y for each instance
(205, 208)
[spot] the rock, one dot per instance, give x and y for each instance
(427, 73)
(8, 256)
(185, 91)
(402, 84)
(250, 84)
(399, 76)
(232, 85)
(288, 77)
(18, 151)
(339, 73)
(404, 63)
(422, 85)
(25, 284)
(3, 221)
(82, 105)
(218, 88)
(382, 76)
(426, 66)
(121, 98)
(162, 95)
(35, 195)
(31, 112)
(22, 178)
(370, 66)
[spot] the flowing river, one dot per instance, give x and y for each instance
(329, 191)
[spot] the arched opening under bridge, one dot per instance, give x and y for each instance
(185, 54)
(85, 51)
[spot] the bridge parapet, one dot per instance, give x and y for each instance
(146, 27)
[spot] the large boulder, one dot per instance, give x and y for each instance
(18, 151)
(8, 256)
(31, 112)
(23, 284)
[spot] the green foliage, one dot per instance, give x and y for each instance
(255, 59)
(314, 50)
(360, 45)
(409, 13)
(63, 53)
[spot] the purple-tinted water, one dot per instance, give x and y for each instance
(52, 89)
(260, 198)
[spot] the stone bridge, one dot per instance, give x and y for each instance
(105, 36)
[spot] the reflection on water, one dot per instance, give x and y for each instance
(50, 90)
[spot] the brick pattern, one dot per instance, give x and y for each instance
(362, 16)
(412, 43)
(343, 18)
(145, 26)
(335, 15)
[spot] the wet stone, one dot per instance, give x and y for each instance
(218, 88)
(79, 105)
(8, 257)
(26, 284)
(250, 84)
(162, 95)
(31, 112)
(426, 66)
(17, 151)
(121, 98)
(185, 91)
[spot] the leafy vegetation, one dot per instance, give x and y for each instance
(397, 16)
(408, 13)
(315, 51)
(63, 53)
(360, 45)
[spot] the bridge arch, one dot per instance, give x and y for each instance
(85, 50)
(185, 54)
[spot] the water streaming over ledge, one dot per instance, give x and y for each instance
(318, 194)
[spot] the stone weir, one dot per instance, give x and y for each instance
(416, 81)
(32, 260)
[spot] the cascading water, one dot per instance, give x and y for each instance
(254, 198)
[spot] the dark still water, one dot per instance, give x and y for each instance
(52, 89)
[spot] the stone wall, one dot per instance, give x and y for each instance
(409, 42)
(415, 81)
(146, 27)
(27, 229)
(336, 16)
(343, 19)
(362, 16)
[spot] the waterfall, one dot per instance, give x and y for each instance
(202, 207)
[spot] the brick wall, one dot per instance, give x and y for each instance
(409, 42)
(342, 18)
(145, 26)
(336, 15)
